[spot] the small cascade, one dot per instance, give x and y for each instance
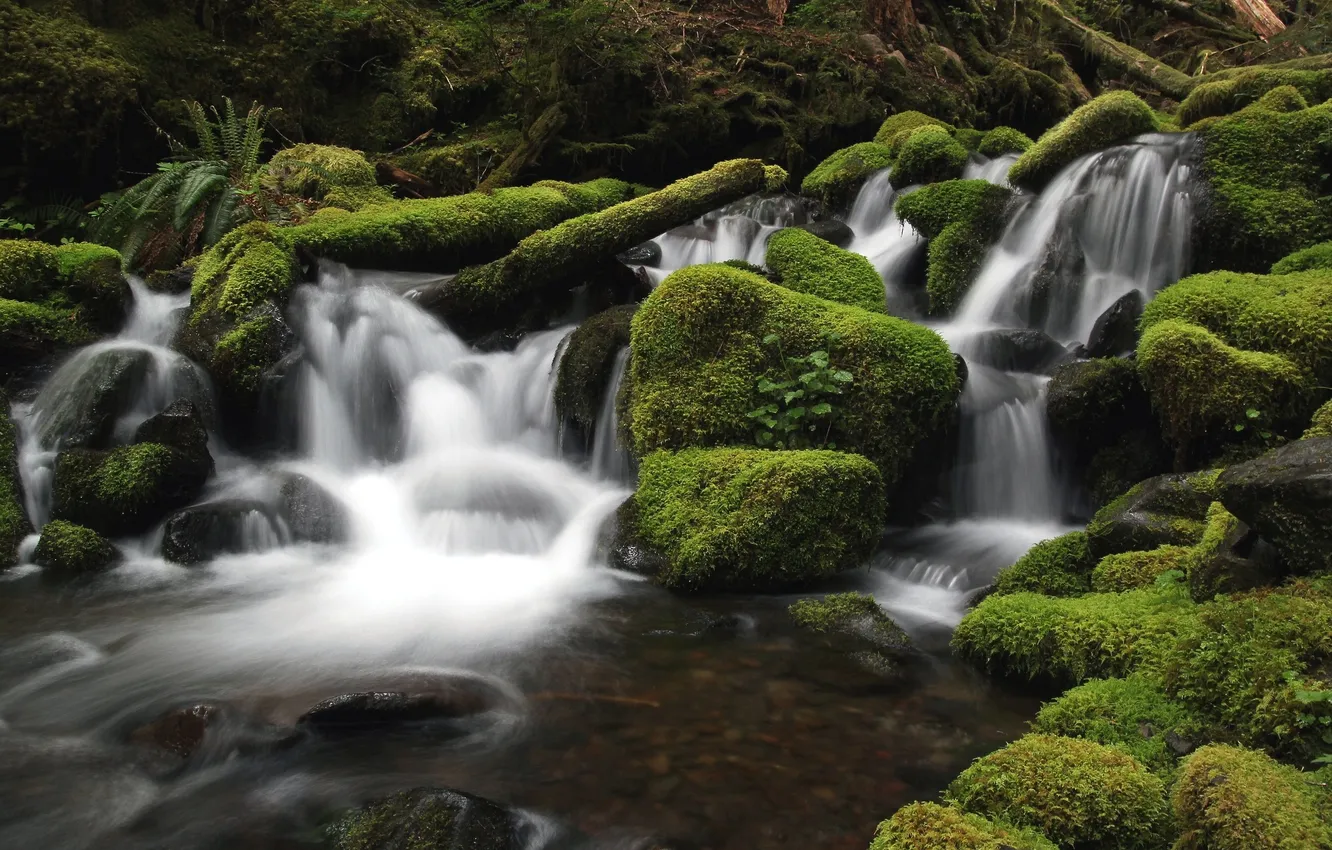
(888, 242)
(990, 170)
(610, 460)
(738, 231)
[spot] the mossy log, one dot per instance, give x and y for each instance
(1132, 62)
(542, 132)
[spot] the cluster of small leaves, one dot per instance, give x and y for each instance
(799, 411)
(1317, 713)
(1255, 425)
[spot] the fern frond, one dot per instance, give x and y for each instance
(220, 217)
(255, 121)
(233, 148)
(166, 183)
(195, 192)
(203, 130)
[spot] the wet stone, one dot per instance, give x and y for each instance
(434, 818)
(647, 254)
(836, 232)
(353, 714)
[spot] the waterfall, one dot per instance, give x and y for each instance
(888, 242)
(610, 460)
(738, 231)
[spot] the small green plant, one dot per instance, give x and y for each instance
(1317, 714)
(1256, 426)
(799, 412)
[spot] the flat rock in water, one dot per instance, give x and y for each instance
(351, 714)
(836, 232)
(1018, 350)
(1116, 330)
(428, 819)
(1286, 496)
(179, 731)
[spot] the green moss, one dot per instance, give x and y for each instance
(341, 177)
(929, 155)
(961, 218)
(1077, 792)
(1110, 118)
(968, 138)
(1073, 639)
(698, 352)
(1133, 714)
(424, 818)
(1002, 140)
(44, 327)
(1091, 404)
(774, 179)
(815, 266)
(27, 269)
(458, 166)
(244, 269)
(1132, 570)
(855, 613)
(585, 366)
(1223, 97)
(895, 128)
(1055, 567)
(747, 519)
(835, 181)
(245, 353)
(14, 525)
(1165, 510)
(930, 826)
(1234, 799)
(66, 549)
(1314, 257)
(125, 490)
(1321, 423)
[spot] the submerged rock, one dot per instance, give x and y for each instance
(203, 532)
(179, 731)
(1116, 330)
(1286, 496)
(312, 514)
(433, 818)
(854, 625)
(372, 711)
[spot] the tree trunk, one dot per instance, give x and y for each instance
(1129, 60)
(412, 184)
(1257, 16)
(540, 134)
(894, 18)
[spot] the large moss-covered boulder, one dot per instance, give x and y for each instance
(699, 352)
(14, 525)
(126, 490)
(1059, 566)
(835, 181)
(1165, 510)
(1314, 257)
(67, 550)
(1286, 496)
(1114, 117)
(1077, 792)
(1133, 714)
(1141, 568)
(895, 129)
(340, 177)
(587, 362)
(1229, 798)
(1245, 87)
(929, 154)
(961, 219)
(930, 826)
(749, 519)
(815, 266)
(1003, 140)
(428, 818)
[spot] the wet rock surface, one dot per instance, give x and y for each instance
(831, 230)
(436, 818)
(1116, 330)
(360, 713)
(1286, 496)
(1018, 351)
(647, 254)
(311, 513)
(181, 425)
(84, 414)
(203, 532)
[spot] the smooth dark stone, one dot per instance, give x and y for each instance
(352, 714)
(179, 731)
(84, 415)
(180, 426)
(647, 254)
(836, 232)
(203, 532)
(1161, 512)
(1286, 496)
(1116, 330)
(312, 514)
(1017, 350)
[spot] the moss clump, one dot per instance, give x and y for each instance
(1110, 118)
(747, 519)
(1321, 423)
(895, 128)
(1073, 639)
(14, 525)
(1229, 798)
(341, 177)
(127, 490)
(68, 550)
(929, 155)
(27, 269)
(1133, 714)
(815, 266)
(1266, 87)
(698, 352)
(930, 826)
(248, 266)
(1165, 510)
(1314, 257)
(425, 818)
(1055, 567)
(961, 218)
(1077, 792)
(585, 367)
(1002, 140)
(774, 180)
(835, 181)
(855, 613)
(245, 353)
(1132, 570)
(77, 273)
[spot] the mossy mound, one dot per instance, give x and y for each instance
(1077, 792)
(1314, 257)
(1229, 798)
(856, 613)
(247, 267)
(1030, 635)
(1223, 97)
(585, 366)
(930, 826)
(126, 490)
(929, 155)
(1132, 570)
(1110, 118)
(895, 128)
(67, 550)
(14, 525)
(340, 177)
(1320, 425)
(1055, 567)
(426, 817)
(1133, 714)
(961, 219)
(1003, 140)
(835, 181)
(748, 519)
(76, 275)
(26, 269)
(1165, 510)
(815, 266)
(698, 352)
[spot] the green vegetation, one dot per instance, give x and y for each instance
(1077, 792)
(1229, 798)
(1055, 567)
(1132, 570)
(1131, 714)
(835, 181)
(1166, 510)
(14, 525)
(68, 550)
(126, 490)
(1110, 118)
(802, 403)
(961, 218)
(747, 519)
(1314, 257)
(585, 367)
(856, 613)
(1254, 87)
(815, 266)
(929, 826)
(340, 177)
(929, 154)
(698, 352)
(1321, 423)
(1002, 140)
(895, 129)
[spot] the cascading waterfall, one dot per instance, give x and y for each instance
(610, 460)
(738, 231)
(889, 243)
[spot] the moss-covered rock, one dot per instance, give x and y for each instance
(961, 219)
(1091, 402)
(126, 490)
(66, 550)
(1320, 425)
(1229, 798)
(1055, 567)
(587, 362)
(895, 128)
(71, 292)
(1314, 257)
(1284, 496)
(14, 525)
(930, 826)
(32, 333)
(26, 269)
(1132, 570)
(427, 817)
(340, 177)
(929, 155)
(1077, 792)
(1222, 97)
(1110, 118)
(90, 275)
(748, 519)
(1133, 714)
(1230, 558)
(856, 613)
(698, 352)
(1003, 140)
(1165, 510)
(815, 266)
(835, 181)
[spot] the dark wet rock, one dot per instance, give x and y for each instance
(311, 513)
(66, 551)
(428, 819)
(1234, 561)
(372, 711)
(836, 232)
(83, 413)
(587, 363)
(201, 533)
(854, 625)
(1116, 330)
(126, 490)
(647, 254)
(691, 231)
(1165, 510)
(180, 426)
(174, 281)
(179, 731)
(625, 549)
(1018, 350)
(1179, 745)
(1286, 497)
